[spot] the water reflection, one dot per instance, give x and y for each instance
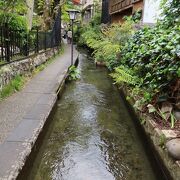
(92, 136)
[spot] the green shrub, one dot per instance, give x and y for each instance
(154, 55)
(15, 85)
(106, 42)
(171, 13)
(13, 13)
(96, 20)
(14, 21)
(123, 74)
(73, 73)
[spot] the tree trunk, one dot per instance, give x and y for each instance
(30, 4)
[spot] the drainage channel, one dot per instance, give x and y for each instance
(91, 135)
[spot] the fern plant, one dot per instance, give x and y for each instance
(122, 74)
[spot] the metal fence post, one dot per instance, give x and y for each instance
(37, 40)
(7, 47)
(51, 39)
(45, 41)
(2, 44)
(26, 49)
(60, 32)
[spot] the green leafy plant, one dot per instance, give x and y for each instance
(171, 11)
(173, 120)
(15, 85)
(152, 54)
(122, 74)
(162, 114)
(162, 141)
(13, 13)
(73, 73)
(14, 21)
(13, 6)
(106, 41)
(152, 109)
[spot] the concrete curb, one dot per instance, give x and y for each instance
(17, 149)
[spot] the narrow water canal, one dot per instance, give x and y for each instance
(92, 136)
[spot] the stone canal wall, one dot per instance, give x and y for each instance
(165, 143)
(9, 71)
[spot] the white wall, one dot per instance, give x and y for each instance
(152, 11)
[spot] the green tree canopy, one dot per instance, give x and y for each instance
(13, 6)
(12, 12)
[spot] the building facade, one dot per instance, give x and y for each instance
(118, 9)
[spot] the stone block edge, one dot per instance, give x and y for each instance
(156, 135)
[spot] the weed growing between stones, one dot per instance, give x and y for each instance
(14, 85)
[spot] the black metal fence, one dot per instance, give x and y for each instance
(15, 45)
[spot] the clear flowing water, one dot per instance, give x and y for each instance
(92, 136)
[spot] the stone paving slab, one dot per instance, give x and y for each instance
(12, 111)
(38, 112)
(24, 131)
(47, 99)
(13, 154)
(23, 115)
